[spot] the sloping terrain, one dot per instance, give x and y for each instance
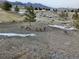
(54, 44)
(45, 45)
(9, 16)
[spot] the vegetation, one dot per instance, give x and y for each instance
(75, 15)
(36, 8)
(9, 17)
(76, 23)
(78, 10)
(40, 8)
(72, 10)
(76, 19)
(17, 9)
(30, 15)
(47, 9)
(6, 6)
(55, 10)
(64, 15)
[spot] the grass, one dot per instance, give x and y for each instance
(9, 17)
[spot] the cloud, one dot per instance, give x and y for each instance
(45, 0)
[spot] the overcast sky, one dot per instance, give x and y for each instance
(55, 3)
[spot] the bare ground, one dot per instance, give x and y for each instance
(53, 44)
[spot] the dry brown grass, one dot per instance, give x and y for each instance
(9, 17)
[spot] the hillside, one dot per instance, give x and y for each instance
(34, 5)
(9, 17)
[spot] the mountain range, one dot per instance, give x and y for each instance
(34, 5)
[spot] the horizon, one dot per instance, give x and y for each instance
(54, 4)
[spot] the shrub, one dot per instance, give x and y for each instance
(36, 8)
(76, 23)
(76, 19)
(75, 15)
(63, 15)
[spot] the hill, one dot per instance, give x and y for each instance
(34, 5)
(9, 16)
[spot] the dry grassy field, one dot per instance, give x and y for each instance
(49, 44)
(9, 17)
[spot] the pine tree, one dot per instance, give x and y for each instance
(6, 6)
(30, 15)
(17, 9)
(36, 8)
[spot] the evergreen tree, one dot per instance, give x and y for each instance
(6, 6)
(30, 15)
(72, 10)
(40, 8)
(17, 9)
(78, 10)
(47, 9)
(36, 8)
(55, 10)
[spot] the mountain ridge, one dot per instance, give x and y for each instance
(34, 5)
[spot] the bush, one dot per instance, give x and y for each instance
(76, 24)
(75, 15)
(63, 15)
(13, 21)
(76, 19)
(72, 10)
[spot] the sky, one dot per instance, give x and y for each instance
(54, 3)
